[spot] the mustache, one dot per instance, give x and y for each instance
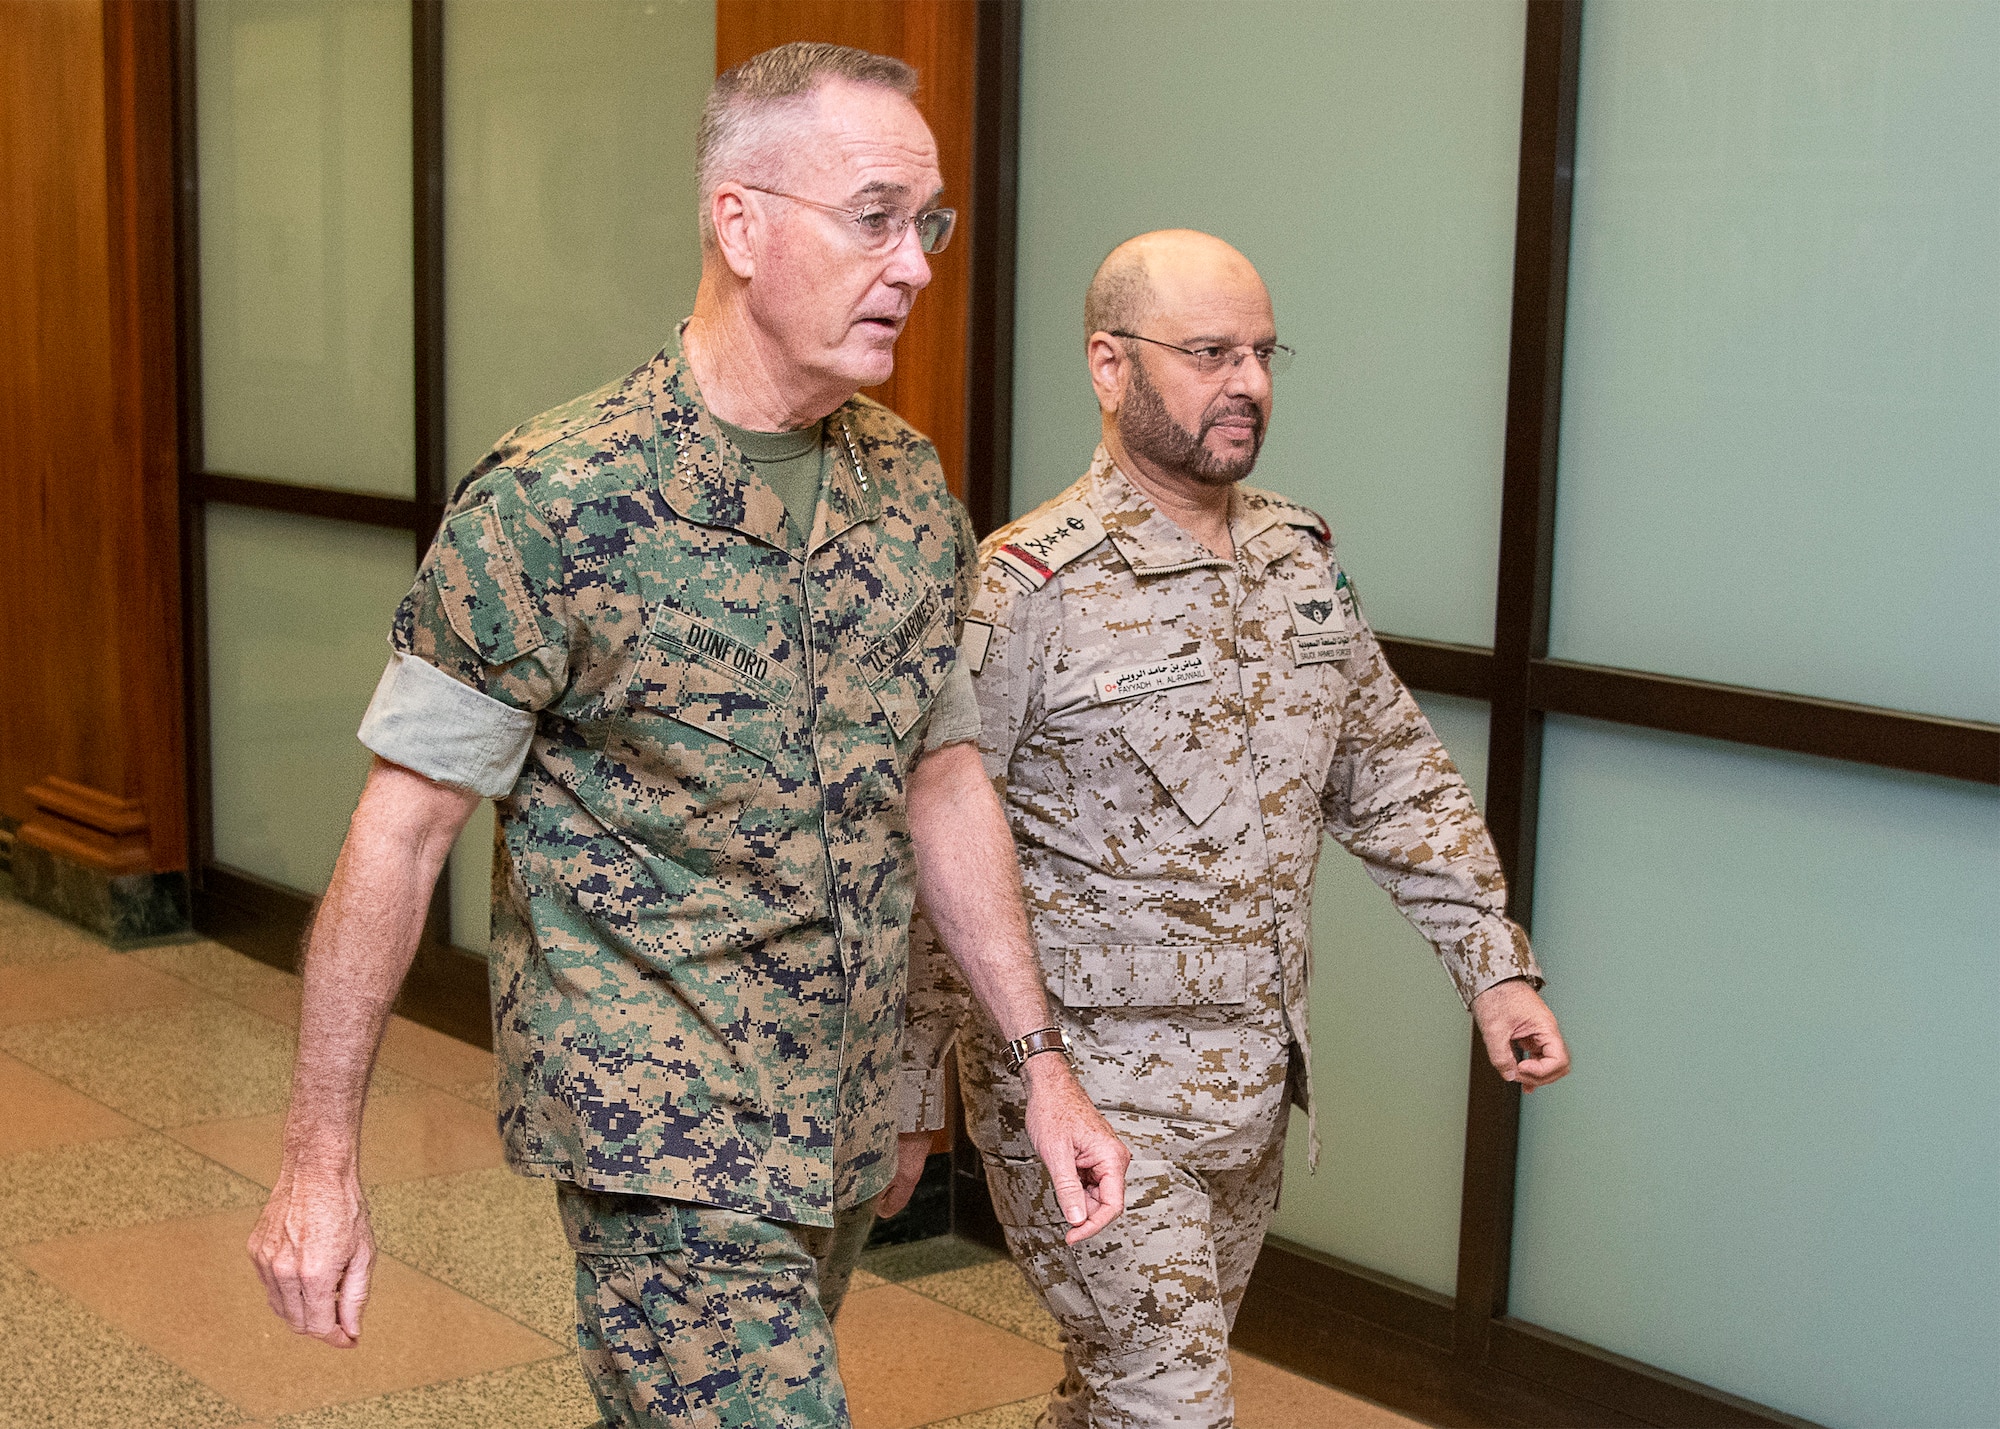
(1239, 407)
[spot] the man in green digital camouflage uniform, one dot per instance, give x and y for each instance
(696, 632)
(1180, 700)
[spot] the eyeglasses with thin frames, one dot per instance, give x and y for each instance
(880, 227)
(1212, 359)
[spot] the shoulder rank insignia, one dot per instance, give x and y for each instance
(1047, 543)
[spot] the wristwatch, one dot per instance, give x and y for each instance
(1042, 1039)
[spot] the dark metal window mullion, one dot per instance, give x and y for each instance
(427, 275)
(194, 540)
(1521, 621)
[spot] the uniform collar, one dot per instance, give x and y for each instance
(850, 496)
(1260, 529)
(1154, 544)
(705, 478)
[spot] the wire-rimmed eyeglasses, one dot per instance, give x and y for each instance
(880, 226)
(1211, 359)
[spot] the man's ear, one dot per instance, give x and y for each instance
(1107, 371)
(736, 227)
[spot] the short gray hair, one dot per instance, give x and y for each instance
(1121, 293)
(751, 109)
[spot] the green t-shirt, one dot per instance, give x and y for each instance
(791, 463)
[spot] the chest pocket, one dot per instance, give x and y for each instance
(711, 682)
(907, 668)
(694, 749)
(1161, 782)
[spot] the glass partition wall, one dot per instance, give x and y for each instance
(1683, 530)
(407, 227)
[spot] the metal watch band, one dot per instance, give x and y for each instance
(1042, 1039)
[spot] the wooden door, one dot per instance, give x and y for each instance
(938, 37)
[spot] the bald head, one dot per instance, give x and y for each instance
(1165, 270)
(1194, 416)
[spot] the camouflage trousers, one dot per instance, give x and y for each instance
(700, 1318)
(1145, 1305)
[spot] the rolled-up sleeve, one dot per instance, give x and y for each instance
(955, 720)
(424, 720)
(480, 644)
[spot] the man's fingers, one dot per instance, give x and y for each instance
(319, 1288)
(1069, 1194)
(273, 1295)
(354, 1291)
(277, 1264)
(1548, 1059)
(1500, 1051)
(1110, 1196)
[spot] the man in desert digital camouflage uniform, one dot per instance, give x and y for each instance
(696, 633)
(1180, 698)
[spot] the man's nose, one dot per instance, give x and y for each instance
(909, 266)
(1248, 378)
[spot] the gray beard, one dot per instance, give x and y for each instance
(1149, 430)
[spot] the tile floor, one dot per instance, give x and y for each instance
(142, 1096)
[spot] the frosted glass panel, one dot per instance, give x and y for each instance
(306, 334)
(1389, 1054)
(570, 247)
(1777, 1166)
(1364, 157)
(472, 882)
(298, 633)
(1781, 402)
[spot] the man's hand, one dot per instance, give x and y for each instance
(1086, 1160)
(315, 1252)
(970, 886)
(913, 1149)
(1512, 1015)
(312, 1246)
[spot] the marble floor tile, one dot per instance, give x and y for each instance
(926, 1257)
(37, 1111)
(29, 936)
(482, 1091)
(434, 1058)
(1268, 1397)
(102, 1185)
(186, 1290)
(90, 984)
(60, 1365)
(549, 1394)
(1021, 1414)
(892, 1344)
(992, 1291)
(231, 976)
(208, 1061)
(403, 1137)
(491, 1234)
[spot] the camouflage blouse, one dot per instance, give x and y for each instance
(701, 903)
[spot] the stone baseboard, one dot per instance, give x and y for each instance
(124, 909)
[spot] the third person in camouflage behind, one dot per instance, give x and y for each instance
(1179, 700)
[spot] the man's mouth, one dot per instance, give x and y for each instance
(1239, 426)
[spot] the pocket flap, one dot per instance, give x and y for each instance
(907, 668)
(481, 588)
(700, 677)
(1151, 975)
(1183, 767)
